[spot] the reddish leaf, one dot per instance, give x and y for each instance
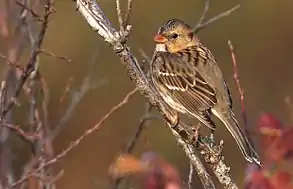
(259, 181)
(275, 154)
(281, 179)
(126, 164)
(281, 147)
(269, 124)
(154, 171)
(163, 175)
(270, 128)
(286, 140)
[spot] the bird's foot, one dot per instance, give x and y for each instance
(212, 137)
(191, 132)
(212, 133)
(186, 131)
(195, 129)
(211, 151)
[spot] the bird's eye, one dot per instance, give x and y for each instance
(174, 36)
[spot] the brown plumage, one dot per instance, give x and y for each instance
(187, 76)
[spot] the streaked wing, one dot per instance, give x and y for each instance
(178, 73)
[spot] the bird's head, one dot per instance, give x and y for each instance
(175, 35)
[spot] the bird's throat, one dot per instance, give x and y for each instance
(161, 48)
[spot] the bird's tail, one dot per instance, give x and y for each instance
(242, 140)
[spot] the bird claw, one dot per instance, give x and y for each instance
(211, 151)
(211, 137)
(195, 129)
(191, 132)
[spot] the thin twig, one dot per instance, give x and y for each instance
(204, 13)
(190, 175)
(16, 39)
(76, 142)
(67, 91)
(49, 179)
(2, 95)
(45, 144)
(196, 162)
(55, 56)
(131, 144)
(10, 62)
(128, 13)
(140, 127)
(237, 79)
(26, 170)
(76, 98)
(216, 18)
(28, 136)
(43, 148)
(33, 13)
(30, 67)
(119, 15)
(45, 100)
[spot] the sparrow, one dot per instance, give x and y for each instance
(188, 78)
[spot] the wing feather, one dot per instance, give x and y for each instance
(184, 81)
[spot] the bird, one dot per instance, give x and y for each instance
(186, 75)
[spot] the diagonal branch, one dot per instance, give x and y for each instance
(204, 13)
(128, 12)
(237, 79)
(76, 142)
(32, 61)
(201, 25)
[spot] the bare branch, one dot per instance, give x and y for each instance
(22, 32)
(76, 142)
(76, 97)
(28, 136)
(2, 95)
(119, 15)
(190, 175)
(55, 56)
(140, 127)
(128, 13)
(32, 61)
(237, 79)
(130, 146)
(196, 162)
(215, 18)
(10, 62)
(204, 13)
(33, 13)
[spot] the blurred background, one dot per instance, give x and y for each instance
(261, 32)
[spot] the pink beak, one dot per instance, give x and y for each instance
(160, 39)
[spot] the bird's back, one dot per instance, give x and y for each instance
(209, 69)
